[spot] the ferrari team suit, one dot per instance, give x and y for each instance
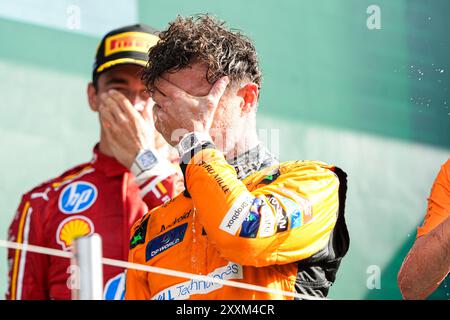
(100, 196)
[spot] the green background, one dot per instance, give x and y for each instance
(374, 102)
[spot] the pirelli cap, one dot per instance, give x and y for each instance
(127, 45)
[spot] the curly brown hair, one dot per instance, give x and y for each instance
(203, 39)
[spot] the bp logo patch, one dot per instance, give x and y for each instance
(77, 197)
(165, 241)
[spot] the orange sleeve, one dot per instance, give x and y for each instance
(438, 202)
(287, 220)
(136, 286)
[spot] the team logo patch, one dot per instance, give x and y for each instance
(71, 228)
(269, 178)
(165, 241)
(115, 288)
(77, 197)
(139, 234)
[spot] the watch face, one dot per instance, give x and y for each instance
(147, 160)
(189, 142)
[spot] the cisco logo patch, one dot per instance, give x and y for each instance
(77, 197)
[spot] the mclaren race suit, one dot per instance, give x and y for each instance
(101, 196)
(281, 227)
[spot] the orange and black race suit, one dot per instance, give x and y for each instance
(281, 227)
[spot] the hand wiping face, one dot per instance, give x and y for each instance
(139, 106)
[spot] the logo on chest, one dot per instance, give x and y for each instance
(71, 228)
(177, 220)
(77, 197)
(165, 241)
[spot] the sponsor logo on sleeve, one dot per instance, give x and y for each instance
(250, 226)
(281, 216)
(213, 173)
(77, 197)
(236, 215)
(165, 241)
(139, 234)
(71, 228)
(306, 209)
(304, 205)
(184, 290)
(293, 212)
(269, 178)
(268, 221)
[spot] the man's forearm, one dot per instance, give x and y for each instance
(427, 264)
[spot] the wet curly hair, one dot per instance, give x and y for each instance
(203, 39)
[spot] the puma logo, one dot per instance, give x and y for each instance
(43, 195)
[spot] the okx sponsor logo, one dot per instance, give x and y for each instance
(165, 241)
(77, 197)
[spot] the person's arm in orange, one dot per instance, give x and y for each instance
(137, 287)
(428, 262)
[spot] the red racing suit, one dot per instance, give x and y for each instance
(100, 196)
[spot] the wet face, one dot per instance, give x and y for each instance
(227, 118)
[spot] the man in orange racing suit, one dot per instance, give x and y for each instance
(428, 262)
(243, 216)
(100, 196)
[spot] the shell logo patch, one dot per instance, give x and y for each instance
(71, 228)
